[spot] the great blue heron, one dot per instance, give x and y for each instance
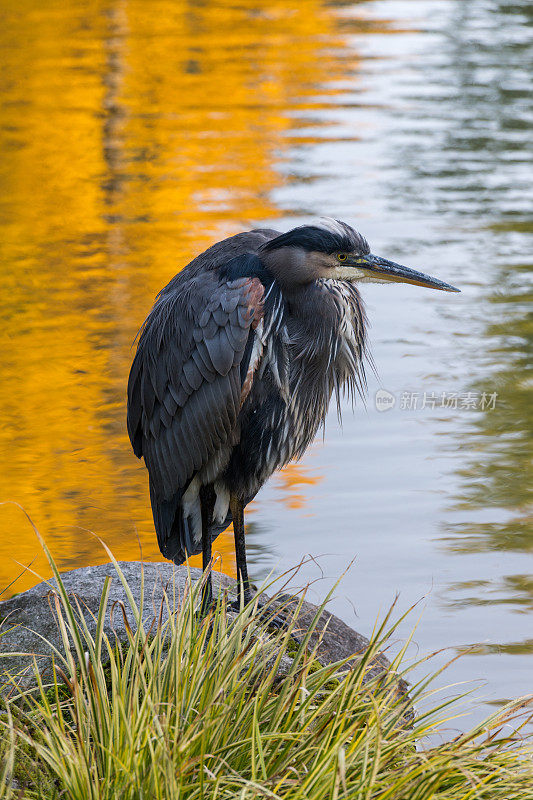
(234, 371)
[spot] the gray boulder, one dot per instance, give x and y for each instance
(28, 621)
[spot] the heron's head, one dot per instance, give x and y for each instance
(332, 249)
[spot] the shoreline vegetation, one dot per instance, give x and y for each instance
(227, 707)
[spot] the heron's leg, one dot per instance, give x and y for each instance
(243, 584)
(207, 590)
(273, 618)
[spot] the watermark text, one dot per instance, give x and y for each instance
(419, 401)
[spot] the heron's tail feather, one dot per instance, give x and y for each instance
(169, 526)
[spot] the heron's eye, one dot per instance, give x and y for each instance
(342, 256)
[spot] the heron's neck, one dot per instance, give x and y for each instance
(327, 334)
(330, 325)
(324, 304)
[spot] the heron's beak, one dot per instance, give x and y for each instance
(375, 268)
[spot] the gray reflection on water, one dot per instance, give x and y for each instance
(476, 163)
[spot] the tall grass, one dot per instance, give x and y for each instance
(201, 709)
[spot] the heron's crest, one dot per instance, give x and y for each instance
(326, 235)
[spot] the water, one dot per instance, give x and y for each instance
(136, 134)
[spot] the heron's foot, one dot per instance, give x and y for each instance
(266, 614)
(236, 606)
(274, 619)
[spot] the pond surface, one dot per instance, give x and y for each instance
(134, 135)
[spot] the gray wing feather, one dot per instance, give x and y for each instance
(174, 421)
(184, 388)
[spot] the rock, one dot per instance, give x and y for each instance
(28, 621)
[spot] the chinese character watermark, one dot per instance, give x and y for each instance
(419, 401)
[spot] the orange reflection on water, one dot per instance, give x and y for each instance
(292, 477)
(135, 134)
